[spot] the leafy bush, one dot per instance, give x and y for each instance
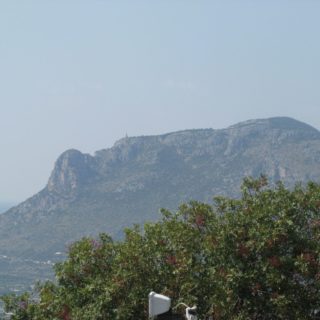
(256, 257)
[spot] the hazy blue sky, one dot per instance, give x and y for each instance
(83, 73)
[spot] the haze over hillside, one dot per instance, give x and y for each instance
(129, 182)
(4, 206)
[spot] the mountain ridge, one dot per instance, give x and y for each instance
(128, 183)
(75, 165)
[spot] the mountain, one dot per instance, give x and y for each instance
(129, 182)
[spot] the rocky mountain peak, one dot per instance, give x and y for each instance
(273, 131)
(71, 170)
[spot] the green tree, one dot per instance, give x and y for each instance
(256, 257)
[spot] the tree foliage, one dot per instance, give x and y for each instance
(256, 257)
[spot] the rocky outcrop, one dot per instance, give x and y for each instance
(72, 170)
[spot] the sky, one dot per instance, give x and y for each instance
(82, 74)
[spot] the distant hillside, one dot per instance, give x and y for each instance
(129, 182)
(4, 206)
